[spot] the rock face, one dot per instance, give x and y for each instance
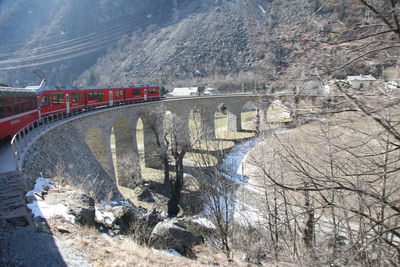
(170, 234)
(143, 194)
(144, 227)
(81, 206)
(119, 218)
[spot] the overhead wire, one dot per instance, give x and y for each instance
(79, 46)
(70, 41)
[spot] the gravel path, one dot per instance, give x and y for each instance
(21, 246)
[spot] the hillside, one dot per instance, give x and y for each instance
(221, 43)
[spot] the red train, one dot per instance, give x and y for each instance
(21, 106)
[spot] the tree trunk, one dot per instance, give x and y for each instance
(173, 203)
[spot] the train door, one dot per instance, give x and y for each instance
(145, 94)
(38, 108)
(67, 101)
(111, 97)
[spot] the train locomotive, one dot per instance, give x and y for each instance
(22, 106)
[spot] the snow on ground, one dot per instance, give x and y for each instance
(106, 216)
(170, 251)
(233, 161)
(7, 162)
(262, 9)
(246, 213)
(204, 222)
(39, 185)
(42, 209)
(46, 211)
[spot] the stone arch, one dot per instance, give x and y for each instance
(233, 112)
(175, 122)
(152, 136)
(262, 106)
(98, 143)
(220, 117)
(203, 126)
(250, 116)
(126, 161)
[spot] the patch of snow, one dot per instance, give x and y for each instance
(110, 232)
(205, 222)
(105, 216)
(42, 209)
(169, 251)
(233, 161)
(262, 9)
(39, 184)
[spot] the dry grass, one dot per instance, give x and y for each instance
(103, 250)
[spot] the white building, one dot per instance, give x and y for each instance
(186, 91)
(361, 81)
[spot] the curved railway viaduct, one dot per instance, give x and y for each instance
(79, 148)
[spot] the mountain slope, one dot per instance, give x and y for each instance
(222, 43)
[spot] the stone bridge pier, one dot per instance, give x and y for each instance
(207, 123)
(234, 114)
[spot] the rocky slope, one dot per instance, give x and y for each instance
(220, 43)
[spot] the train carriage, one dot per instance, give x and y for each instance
(18, 108)
(55, 101)
(142, 93)
(99, 96)
(153, 93)
(21, 107)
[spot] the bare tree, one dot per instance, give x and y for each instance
(177, 145)
(217, 189)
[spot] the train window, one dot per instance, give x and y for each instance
(119, 93)
(137, 92)
(45, 101)
(16, 105)
(152, 90)
(27, 104)
(57, 99)
(9, 106)
(22, 104)
(95, 96)
(76, 97)
(2, 108)
(33, 102)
